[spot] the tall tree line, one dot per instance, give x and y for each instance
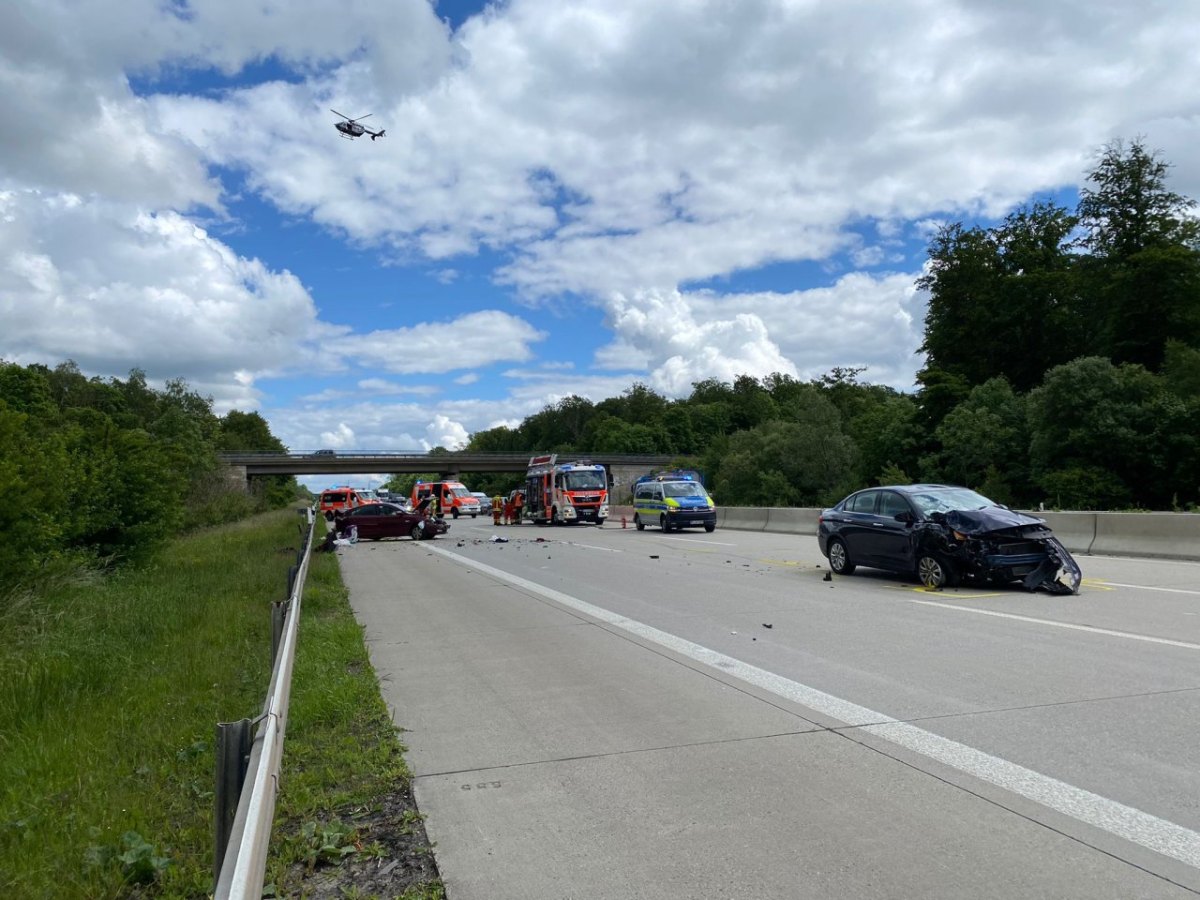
(104, 469)
(1062, 367)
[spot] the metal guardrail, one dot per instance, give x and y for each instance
(241, 851)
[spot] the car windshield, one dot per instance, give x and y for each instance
(946, 499)
(584, 481)
(459, 491)
(682, 489)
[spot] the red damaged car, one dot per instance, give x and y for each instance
(379, 520)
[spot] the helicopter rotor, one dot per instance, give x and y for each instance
(347, 118)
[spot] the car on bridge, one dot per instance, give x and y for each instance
(943, 533)
(379, 520)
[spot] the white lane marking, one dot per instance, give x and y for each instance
(593, 547)
(1094, 630)
(1126, 822)
(1146, 587)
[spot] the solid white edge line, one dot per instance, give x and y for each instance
(1146, 587)
(1128, 635)
(1134, 825)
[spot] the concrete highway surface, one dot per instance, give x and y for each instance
(605, 713)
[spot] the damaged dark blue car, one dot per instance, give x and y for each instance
(943, 534)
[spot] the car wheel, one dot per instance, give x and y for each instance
(839, 558)
(417, 532)
(934, 572)
(638, 523)
(662, 523)
(599, 521)
(710, 528)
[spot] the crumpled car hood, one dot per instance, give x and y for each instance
(990, 518)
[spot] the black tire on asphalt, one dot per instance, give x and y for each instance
(934, 572)
(638, 523)
(839, 558)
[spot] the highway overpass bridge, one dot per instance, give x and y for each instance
(623, 468)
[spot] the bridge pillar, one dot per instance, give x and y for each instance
(623, 477)
(237, 479)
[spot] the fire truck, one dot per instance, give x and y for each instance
(570, 492)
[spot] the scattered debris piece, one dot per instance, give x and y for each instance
(767, 625)
(496, 539)
(828, 576)
(652, 556)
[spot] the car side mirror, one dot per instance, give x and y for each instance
(906, 517)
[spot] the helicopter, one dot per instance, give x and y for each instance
(350, 129)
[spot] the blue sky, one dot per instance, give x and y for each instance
(571, 197)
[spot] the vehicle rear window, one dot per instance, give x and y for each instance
(333, 498)
(862, 503)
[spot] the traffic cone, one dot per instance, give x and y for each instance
(623, 525)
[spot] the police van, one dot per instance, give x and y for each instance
(673, 501)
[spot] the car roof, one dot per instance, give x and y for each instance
(915, 488)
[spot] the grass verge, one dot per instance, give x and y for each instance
(346, 823)
(110, 691)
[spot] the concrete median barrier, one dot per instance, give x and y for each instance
(744, 518)
(791, 520)
(1162, 535)
(1076, 530)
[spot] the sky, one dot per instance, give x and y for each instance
(572, 196)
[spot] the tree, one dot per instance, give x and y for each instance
(1145, 268)
(984, 436)
(1130, 209)
(247, 432)
(1003, 301)
(1092, 431)
(557, 427)
(801, 463)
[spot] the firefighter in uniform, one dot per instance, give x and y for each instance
(518, 503)
(497, 508)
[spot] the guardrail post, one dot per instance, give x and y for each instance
(278, 617)
(292, 570)
(233, 757)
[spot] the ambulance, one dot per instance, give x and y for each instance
(673, 500)
(454, 498)
(335, 499)
(566, 492)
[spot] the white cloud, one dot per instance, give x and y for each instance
(474, 339)
(663, 325)
(114, 287)
(469, 378)
(445, 432)
(339, 438)
(612, 151)
(676, 141)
